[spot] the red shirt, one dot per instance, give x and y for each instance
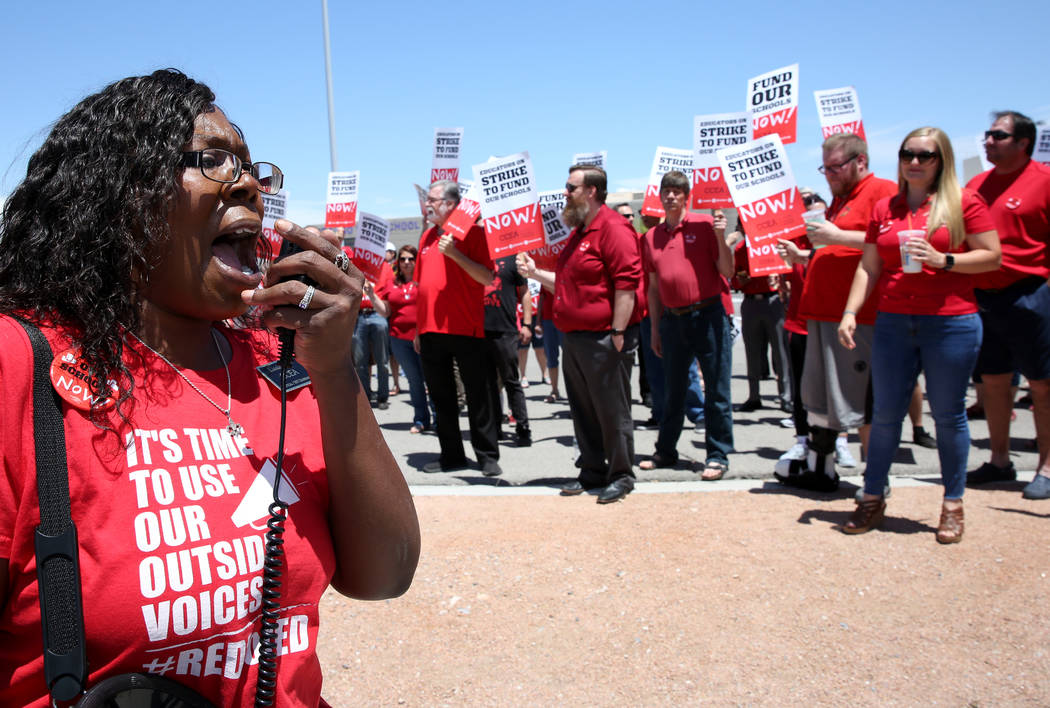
(171, 539)
(1020, 206)
(793, 322)
(685, 260)
(450, 301)
(742, 279)
(934, 291)
(831, 270)
(597, 260)
(401, 297)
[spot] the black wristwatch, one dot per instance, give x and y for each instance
(615, 332)
(949, 261)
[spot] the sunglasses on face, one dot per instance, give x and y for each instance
(924, 156)
(570, 188)
(997, 135)
(407, 259)
(809, 199)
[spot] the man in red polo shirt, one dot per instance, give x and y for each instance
(687, 263)
(835, 380)
(1014, 300)
(594, 287)
(452, 273)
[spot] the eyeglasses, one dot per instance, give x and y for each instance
(407, 259)
(627, 216)
(435, 200)
(834, 169)
(924, 156)
(997, 135)
(570, 188)
(223, 166)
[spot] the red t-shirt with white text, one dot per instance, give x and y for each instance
(934, 291)
(401, 298)
(171, 517)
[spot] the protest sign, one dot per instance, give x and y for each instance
(772, 99)
(554, 229)
(446, 154)
(465, 215)
(710, 134)
(839, 111)
(341, 204)
(370, 245)
(274, 207)
(763, 187)
(590, 158)
(507, 190)
(1042, 145)
(666, 159)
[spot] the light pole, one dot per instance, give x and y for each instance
(328, 81)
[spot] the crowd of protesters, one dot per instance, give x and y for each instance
(893, 278)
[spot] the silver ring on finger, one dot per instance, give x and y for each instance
(305, 302)
(342, 261)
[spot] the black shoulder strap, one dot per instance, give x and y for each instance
(57, 564)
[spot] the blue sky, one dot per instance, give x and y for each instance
(550, 78)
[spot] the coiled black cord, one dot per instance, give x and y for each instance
(266, 680)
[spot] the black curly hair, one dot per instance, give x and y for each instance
(83, 227)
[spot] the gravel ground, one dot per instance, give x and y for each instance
(730, 597)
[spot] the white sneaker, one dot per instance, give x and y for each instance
(843, 457)
(798, 452)
(787, 422)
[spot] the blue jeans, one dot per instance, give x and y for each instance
(704, 335)
(945, 349)
(406, 356)
(370, 337)
(551, 343)
(654, 374)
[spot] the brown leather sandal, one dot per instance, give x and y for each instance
(950, 530)
(866, 516)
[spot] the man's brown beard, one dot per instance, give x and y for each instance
(574, 214)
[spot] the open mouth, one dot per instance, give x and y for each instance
(236, 249)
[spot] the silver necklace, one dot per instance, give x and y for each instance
(234, 429)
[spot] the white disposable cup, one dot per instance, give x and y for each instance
(813, 215)
(909, 264)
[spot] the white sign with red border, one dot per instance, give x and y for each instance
(275, 206)
(597, 159)
(509, 210)
(711, 133)
(772, 99)
(665, 160)
(766, 197)
(839, 111)
(465, 215)
(447, 142)
(370, 245)
(1042, 145)
(341, 203)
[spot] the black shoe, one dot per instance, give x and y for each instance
(989, 473)
(809, 480)
(436, 467)
(751, 404)
(572, 489)
(383, 405)
(647, 401)
(616, 491)
(491, 468)
(524, 436)
(651, 424)
(923, 439)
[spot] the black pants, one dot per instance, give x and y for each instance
(437, 352)
(503, 354)
(597, 380)
(797, 349)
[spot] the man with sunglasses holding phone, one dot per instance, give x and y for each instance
(1014, 301)
(835, 380)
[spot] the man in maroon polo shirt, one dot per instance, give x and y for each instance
(594, 287)
(1015, 300)
(835, 380)
(687, 262)
(452, 273)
